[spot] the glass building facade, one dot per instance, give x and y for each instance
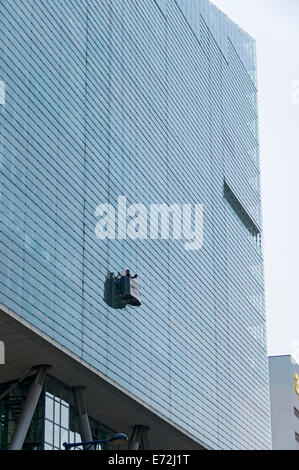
(154, 100)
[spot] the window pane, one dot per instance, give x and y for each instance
(56, 436)
(57, 412)
(49, 408)
(65, 416)
(64, 437)
(48, 432)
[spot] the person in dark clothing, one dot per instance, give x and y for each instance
(127, 274)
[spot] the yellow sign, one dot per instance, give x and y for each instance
(296, 377)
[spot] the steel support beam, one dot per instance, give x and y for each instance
(29, 408)
(84, 425)
(139, 432)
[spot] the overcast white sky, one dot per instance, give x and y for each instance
(275, 26)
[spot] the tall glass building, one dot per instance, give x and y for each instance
(155, 101)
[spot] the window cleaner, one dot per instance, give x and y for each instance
(120, 290)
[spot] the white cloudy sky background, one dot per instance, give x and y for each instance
(275, 26)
